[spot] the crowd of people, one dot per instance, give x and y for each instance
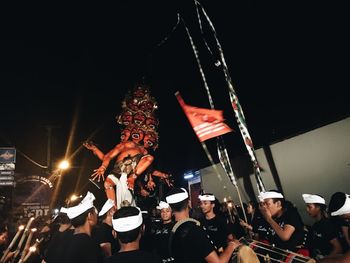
(174, 232)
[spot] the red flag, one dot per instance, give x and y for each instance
(205, 122)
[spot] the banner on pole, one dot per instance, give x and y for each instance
(206, 123)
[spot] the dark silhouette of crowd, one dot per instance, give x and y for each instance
(173, 231)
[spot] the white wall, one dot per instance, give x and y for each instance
(317, 161)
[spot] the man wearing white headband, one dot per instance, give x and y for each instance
(189, 243)
(103, 232)
(215, 226)
(285, 228)
(83, 216)
(128, 223)
(56, 247)
(324, 240)
(340, 205)
(339, 208)
(160, 232)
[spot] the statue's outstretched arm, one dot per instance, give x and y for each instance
(95, 150)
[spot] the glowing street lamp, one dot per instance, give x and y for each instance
(63, 165)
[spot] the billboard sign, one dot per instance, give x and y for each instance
(7, 166)
(32, 196)
(8, 173)
(7, 183)
(7, 155)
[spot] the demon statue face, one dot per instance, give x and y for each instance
(125, 118)
(139, 118)
(151, 123)
(126, 133)
(132, 104)
(147, 106)
(151, 140)
(137, 134)
(140, 92)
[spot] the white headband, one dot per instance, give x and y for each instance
(128, 223)
(345, 209)
(313, 199)
(108, 205)
(267, 195)
(162, 205)
(206, 197)
(63, 210)
(176, 198)
(85, 204)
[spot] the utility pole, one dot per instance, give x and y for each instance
(49, 129)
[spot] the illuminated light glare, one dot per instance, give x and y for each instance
(32, 249)
(64, 165)
(21, 227)
(73, 197)
(188, 176)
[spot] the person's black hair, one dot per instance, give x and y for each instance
(217, 207)
(3, 227)
(80, 219)
(284, 204)
(62, 218)
(254, 204)
(132, 235)
(178, 207)
(323, 210)
(337, 201)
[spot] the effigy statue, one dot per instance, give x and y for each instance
(134, 153)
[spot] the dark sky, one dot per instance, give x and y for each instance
(288, 61)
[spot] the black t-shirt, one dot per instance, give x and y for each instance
(58, 245)
(83, 249)
(289, 217)
(160, 238)
(338, 223)
(217, 230)
(323, 232)
(103, 234)
(260, 226)
(236, 229)
(190, 244)
(134, 256)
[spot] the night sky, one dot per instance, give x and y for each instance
(71, 66)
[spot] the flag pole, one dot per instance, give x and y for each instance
(205, 148)
(236, 105)
(225, 156)
(226, 164)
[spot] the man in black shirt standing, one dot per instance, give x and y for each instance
(285, 226)
(189, 242)
(83, 216)
(215, 226)
(128, 223)
(103, 233)
(161, 232)
(339, 206)
(324, 240)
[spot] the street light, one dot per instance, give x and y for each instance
(63, 165)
